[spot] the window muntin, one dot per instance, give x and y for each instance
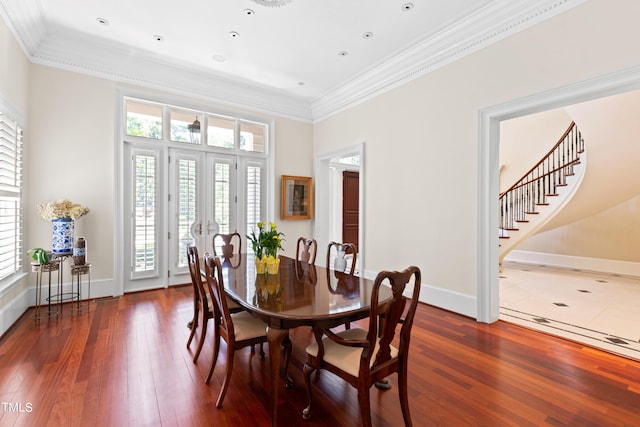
(144, 119)
(11, 162)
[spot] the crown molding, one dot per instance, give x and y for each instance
(26, 23)
(489, 25)
(121, 63)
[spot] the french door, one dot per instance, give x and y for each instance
(182, 197)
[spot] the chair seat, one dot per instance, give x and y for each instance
(344, 357)
(246, 326)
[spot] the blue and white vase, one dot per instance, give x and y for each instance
(62, 235)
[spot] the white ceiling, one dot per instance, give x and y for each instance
(285, 60)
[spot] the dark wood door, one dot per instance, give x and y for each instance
(350, 206)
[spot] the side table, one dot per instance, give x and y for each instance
(52, 310)
(77, 271)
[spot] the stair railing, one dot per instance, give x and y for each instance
(541, 181)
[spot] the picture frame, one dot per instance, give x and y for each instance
(296, 199)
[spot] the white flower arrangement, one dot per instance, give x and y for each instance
(63, 208)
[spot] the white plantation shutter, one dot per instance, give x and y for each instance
(10, 196)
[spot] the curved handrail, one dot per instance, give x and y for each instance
(541, 180)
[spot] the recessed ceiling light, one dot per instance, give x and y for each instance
(219, 58)
(102, 21)
(300, 83)
(367, 35)
(407, 6)
(158, 38)
(248, 12)
(234, 34)
(343, 53)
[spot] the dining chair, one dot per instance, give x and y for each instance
(229, 244)
(306, 250)
(202, 305)
(366, 357)
(239, 329)
(339, 261)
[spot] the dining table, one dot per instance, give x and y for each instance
(299, 295)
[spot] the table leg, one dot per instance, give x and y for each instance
(275, 337)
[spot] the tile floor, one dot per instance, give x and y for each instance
(600, 310)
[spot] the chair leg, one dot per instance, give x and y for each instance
(193, 324)
(227, 378)
(307, 370)
(203, 333)
(404, 398)
(216, 350)
(365, 406)
(286, 350)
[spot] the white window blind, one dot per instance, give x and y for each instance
(145, 217)
(10, 196)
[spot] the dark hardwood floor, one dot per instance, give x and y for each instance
(125, 364)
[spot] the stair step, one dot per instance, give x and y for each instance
(504, 237)
(522, 220)
(542, 204)
(552, 195)
(532, 213)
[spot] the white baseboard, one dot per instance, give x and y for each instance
(456, 302)
(622, 268)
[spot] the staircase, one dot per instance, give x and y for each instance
(533, 200)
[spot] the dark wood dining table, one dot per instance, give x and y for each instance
(299, 295)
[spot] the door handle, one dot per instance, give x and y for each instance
(196, 229)
(212, 227)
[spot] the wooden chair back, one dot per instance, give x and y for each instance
(348, 248)
(226, 245)
(384, 320)
(202, 308)
(215, 287)
(306, 250)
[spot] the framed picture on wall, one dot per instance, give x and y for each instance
(296, 198)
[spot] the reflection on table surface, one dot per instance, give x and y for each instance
(299, 290)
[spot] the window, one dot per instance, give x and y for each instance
(220, 132)
(179, 189)
(180, 122)
(144, 120)
(10, 196)
(145, 233)
(252, 136)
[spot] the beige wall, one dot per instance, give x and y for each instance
(14, 71)
(71, 155)
(613, 234)
(421, 138)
